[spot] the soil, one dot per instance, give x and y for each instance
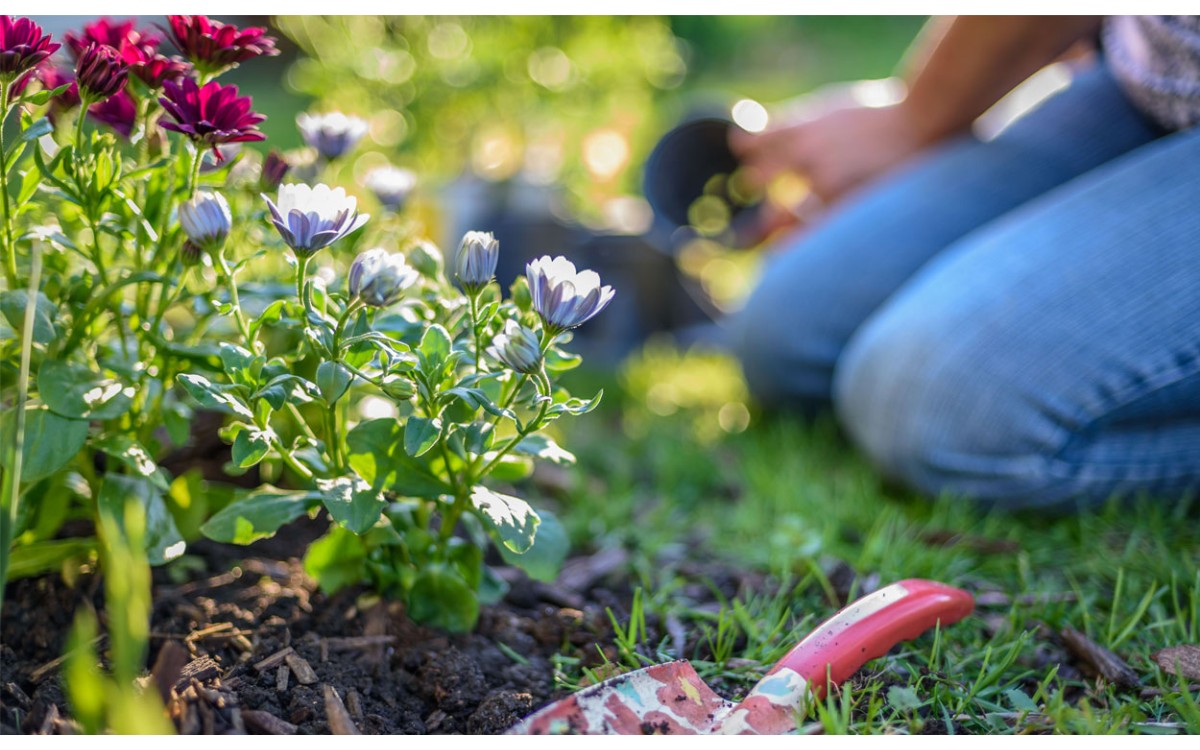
(349, 662)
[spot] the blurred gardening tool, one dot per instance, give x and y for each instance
(672, 699)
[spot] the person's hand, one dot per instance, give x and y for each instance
(836, 150)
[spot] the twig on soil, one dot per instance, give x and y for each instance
(36, 675)
(1112, 667)
(301, 668)
(336, 713)
(274, 659)
(265, 722)
(356, 642)
(281, 678)
(199, 669)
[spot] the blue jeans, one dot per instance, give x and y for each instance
(1016, 322)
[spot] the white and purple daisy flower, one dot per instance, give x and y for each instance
(564, 297)
(379, 278)
(310, 218)
(332, 134)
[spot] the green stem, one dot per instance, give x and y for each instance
(227, 277)
(532, 426)
(12, 477)
(301, 422)
(194, 181)
(10, 247)
(164, 306)
(301, 285)
(291, 461)
(474, 299)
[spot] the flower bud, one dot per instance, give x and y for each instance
(562, 296)
(274, 168)
(190, 254)
(518, 347)
(475, 264)
(100, 71)
(398, 387)
(206, 219)
(426, 258)
(379, 279)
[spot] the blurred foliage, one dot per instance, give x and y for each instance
(558, 100)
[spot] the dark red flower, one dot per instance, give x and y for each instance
(117, 35)
(100, 71)
(22, 46)
(213, 46)
(152, 68)
(212, 115)
(119, 112)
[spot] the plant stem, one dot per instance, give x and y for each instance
(291, 461)
(227, 277)
(12, 477)
(175, 295)
(473, 297)
(194, 181)
(10, 247)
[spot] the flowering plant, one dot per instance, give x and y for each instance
(155, 272)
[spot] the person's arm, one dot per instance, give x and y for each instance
(957, 69)
(961, 66)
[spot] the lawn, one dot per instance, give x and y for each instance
(794, 504)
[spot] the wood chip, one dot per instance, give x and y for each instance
(50, 721)
(201, 669)
(274, 659)
(356, 642)
(336, 713)
(168, 666)
(354, 704)
(201, 634)
(264, 722)
(1112, 667)
(281, 678)
(301, 668)
(1183, 661)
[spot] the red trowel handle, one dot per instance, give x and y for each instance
(869, 628)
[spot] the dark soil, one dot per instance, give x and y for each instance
(222, 639)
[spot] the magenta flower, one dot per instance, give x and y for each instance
(213, 46)
(118, 112)
(274, 169)
(22, 47)
(211, 115)
(152, 68)
(100, 72)
(118, 35)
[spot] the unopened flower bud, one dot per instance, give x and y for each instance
(518, 347)
(100, 71)
(475, 264)
(190, 254)
(274, 168)
(379, 278)
(206, 219)
(426, 258)
(398, 387)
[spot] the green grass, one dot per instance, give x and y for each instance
(789, 500)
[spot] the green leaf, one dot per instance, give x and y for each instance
(510, 517)
(377, 455)
(441, 598)
(43, 557)
(576, 406)
(251, 446)
(511, 468)
(12, 305)
(478, 399)
(544, 559)
(75, 391)
(269, 316)
(29, 184)
(478, 437)
(162, 539)
(333, 379)
(259, 514)
(210, 395)
(39, 128)
(41, 97)
(240, 365)
(1019, 700)
(134, 456)
(434, 348)
(559, 361)
(421, 434)
(352, 502)
(903, 698)
(51, 441)
(541, 446)
(336, 560)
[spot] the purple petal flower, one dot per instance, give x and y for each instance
(22, 47)
(100, 72)
(211, 115)
(331, 134)
(475, 264)
(214, 47)
(379, 278)
(563, 297)
(310, 218)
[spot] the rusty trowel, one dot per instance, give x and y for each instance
(672, 699)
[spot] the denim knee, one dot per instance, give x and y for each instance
(921, 404)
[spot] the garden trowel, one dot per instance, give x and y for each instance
(672, 699)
